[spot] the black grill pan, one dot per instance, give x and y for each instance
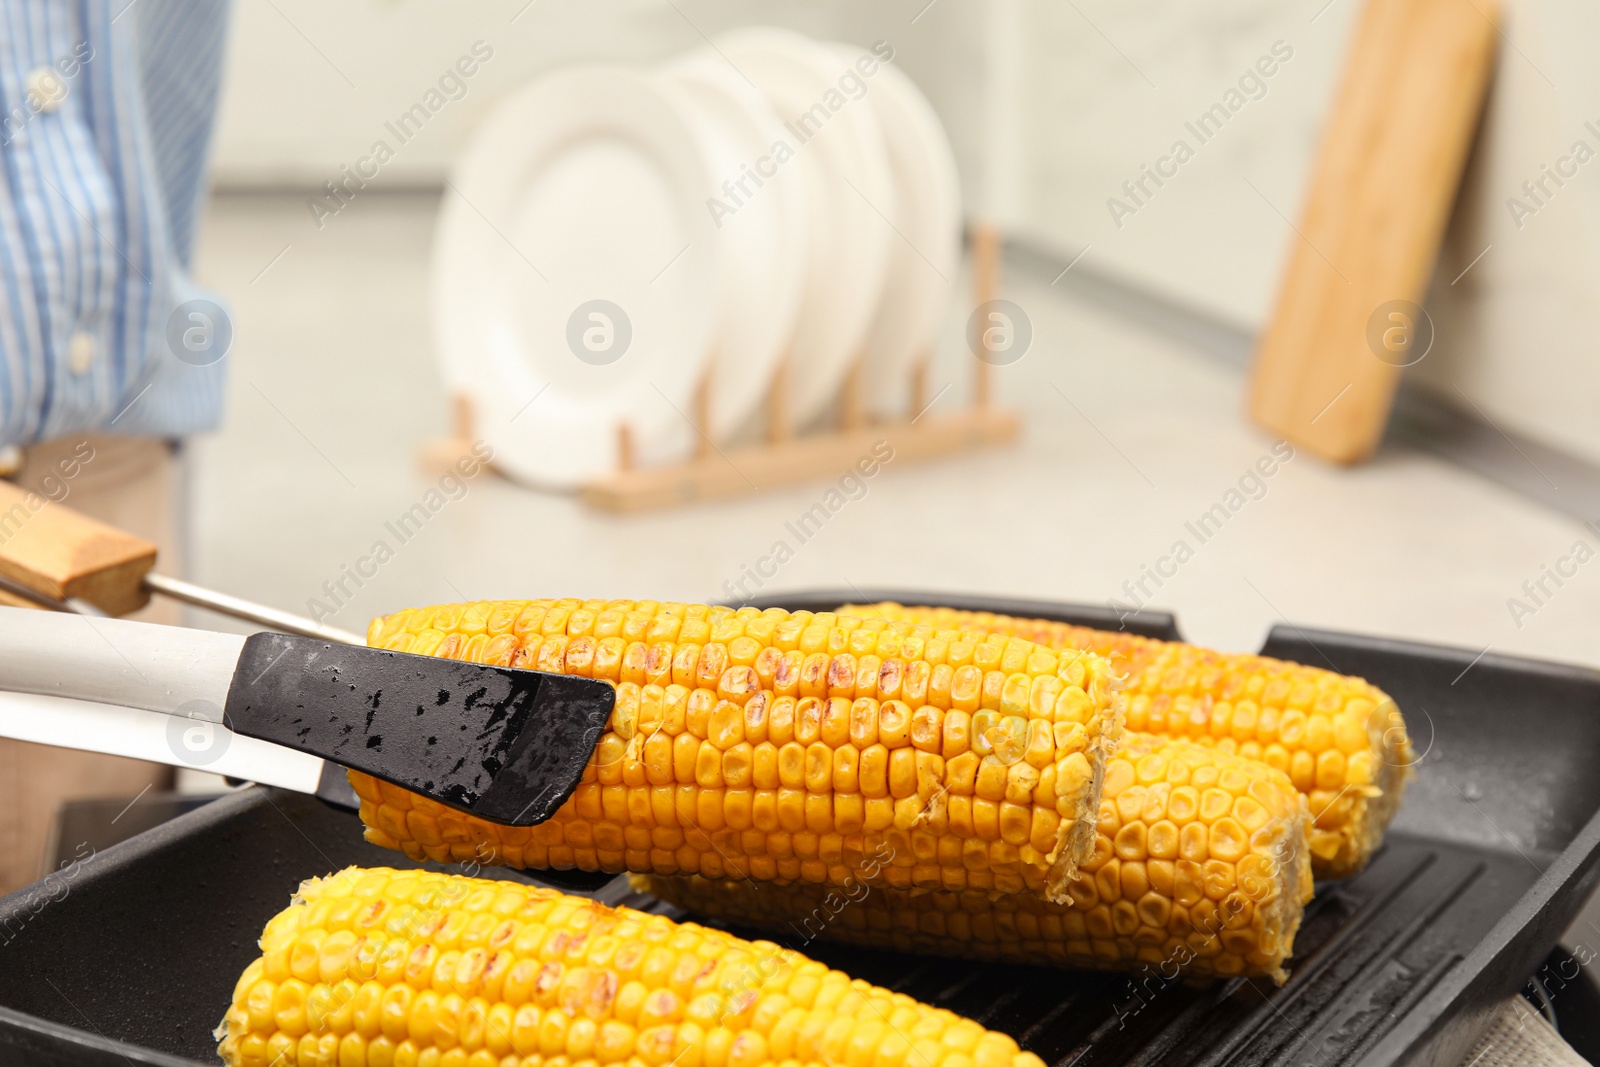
(1493, 854)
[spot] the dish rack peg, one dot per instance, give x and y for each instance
(986, 282)
(625, 453)
(919, 383)
(441, 454)
(779, 428)
(852, 398)
(702, 416)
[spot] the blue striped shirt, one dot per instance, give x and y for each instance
(106, 111)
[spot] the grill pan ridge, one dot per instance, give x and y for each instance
(1492, 855)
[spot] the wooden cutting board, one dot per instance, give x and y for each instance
(1386, 174)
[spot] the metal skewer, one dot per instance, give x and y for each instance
(237, 607)
(282, 621)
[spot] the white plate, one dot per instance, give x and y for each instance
(926, 254)
(836, 140)
(583, 186)
(760, 218)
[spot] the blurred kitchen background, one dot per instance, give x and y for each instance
(1132, 394)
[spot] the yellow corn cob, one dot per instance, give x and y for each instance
(1201, 867)
(404, 968)
(786, 747)
(1340, 739)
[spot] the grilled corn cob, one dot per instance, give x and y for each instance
(786, 747)
(1201, 866)
(1340, 739)
(405, 968)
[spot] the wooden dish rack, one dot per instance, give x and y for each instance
(784, 456)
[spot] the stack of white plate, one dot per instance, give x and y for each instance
(610, 236)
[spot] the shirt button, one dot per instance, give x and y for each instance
(81, 352)
(47, 87)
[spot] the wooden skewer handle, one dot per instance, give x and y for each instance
(61, 554)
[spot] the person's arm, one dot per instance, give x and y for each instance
(106, 111)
